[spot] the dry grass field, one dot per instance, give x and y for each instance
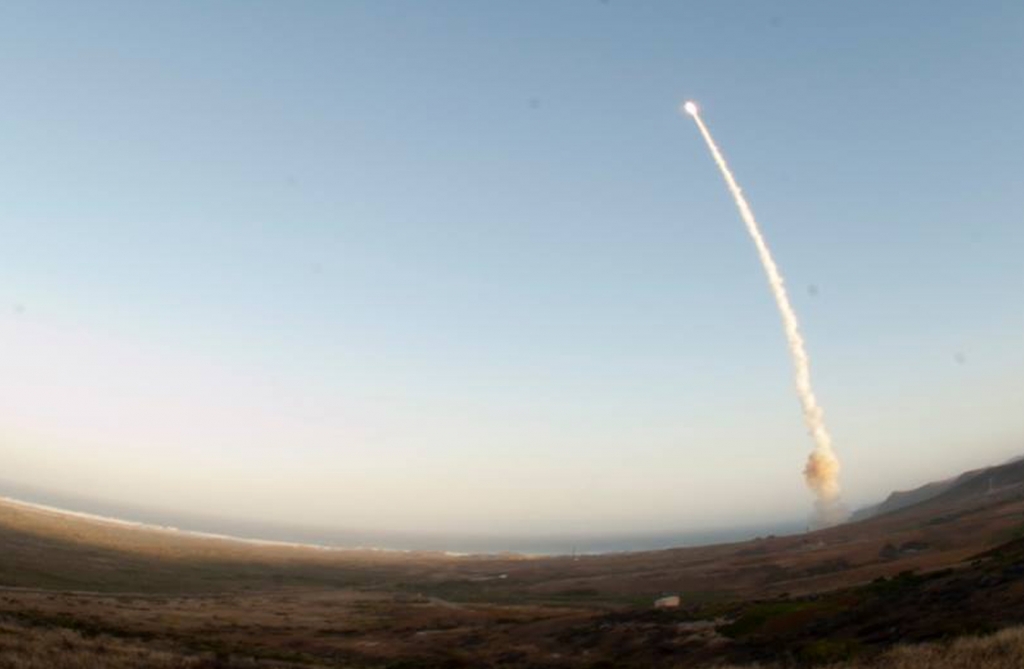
(25, 647)
(1002, 650)
(927, 585)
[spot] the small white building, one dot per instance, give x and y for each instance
(669, 602)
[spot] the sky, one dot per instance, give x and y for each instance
(464, 267)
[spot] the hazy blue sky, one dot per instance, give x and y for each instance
(461, 265)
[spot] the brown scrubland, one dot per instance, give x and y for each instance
(939, 583)
(25, 647)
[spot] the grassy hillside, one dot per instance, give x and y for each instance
(28, 647)
(42, 549)
(113, 595)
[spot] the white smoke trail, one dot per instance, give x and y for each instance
(822, 469)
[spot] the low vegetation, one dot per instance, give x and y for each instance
(1002, 650)
(31, 647)
(894, 592)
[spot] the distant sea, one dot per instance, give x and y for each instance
(493, 543)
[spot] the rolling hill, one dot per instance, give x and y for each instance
(943, 565)
(974, 482)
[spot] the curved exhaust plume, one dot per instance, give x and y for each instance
(822, 469)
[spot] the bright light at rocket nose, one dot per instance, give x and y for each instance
(690, 107)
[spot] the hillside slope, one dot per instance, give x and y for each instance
(971, 482)
(945, 566)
